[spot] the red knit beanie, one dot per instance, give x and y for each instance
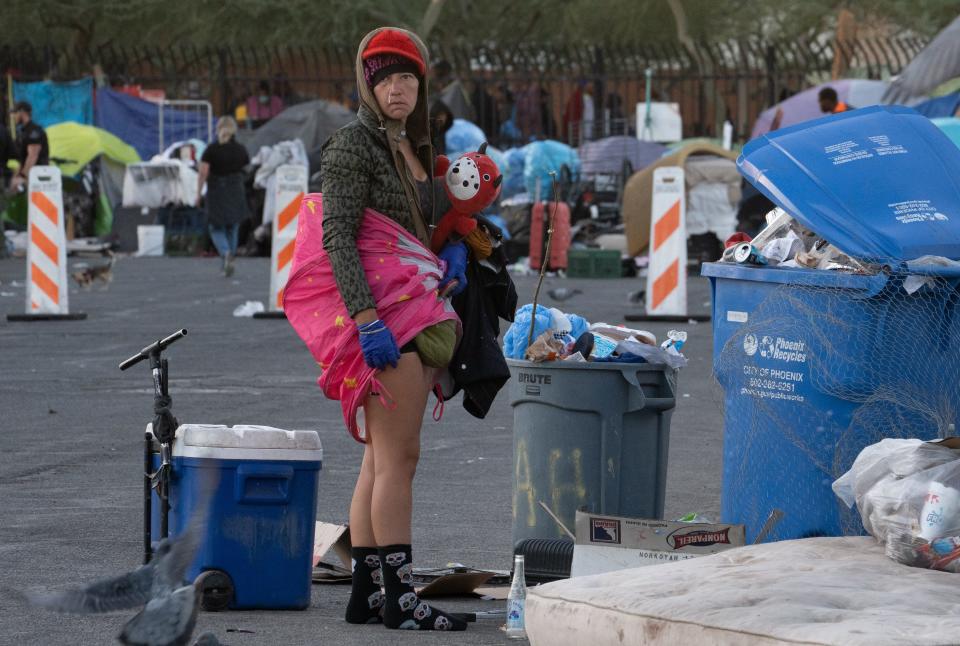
(394, 41)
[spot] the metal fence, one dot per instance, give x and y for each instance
(711, 82)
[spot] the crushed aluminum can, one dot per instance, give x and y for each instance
(746, 254)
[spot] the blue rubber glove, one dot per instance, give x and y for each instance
(455, 255)
(378, 345)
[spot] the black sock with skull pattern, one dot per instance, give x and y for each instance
(366, 597)
(403, 608)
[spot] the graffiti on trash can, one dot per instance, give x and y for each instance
(566, 489)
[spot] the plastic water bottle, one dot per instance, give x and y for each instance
(517, 601)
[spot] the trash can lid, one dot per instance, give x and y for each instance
(882, 183)
(245, 441)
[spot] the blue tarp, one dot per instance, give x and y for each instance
(880, 183)
(942, 106)
(54, 103)
(137, 122)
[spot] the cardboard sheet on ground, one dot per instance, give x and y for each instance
(331, 537)
(610, 543)
(445, 582)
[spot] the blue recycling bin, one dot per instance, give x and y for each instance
(816, 364)
(260, 485)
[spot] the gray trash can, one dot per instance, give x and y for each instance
(590, 436)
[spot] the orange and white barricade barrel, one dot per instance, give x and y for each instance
(47, 288)
(290, 188)
(667, 269)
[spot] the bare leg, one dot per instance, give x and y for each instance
(395, 435)
(361, 528)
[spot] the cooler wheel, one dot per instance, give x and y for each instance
(216, 590)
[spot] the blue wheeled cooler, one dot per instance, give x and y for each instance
(260, 488)
(817, 363)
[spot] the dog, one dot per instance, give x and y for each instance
(89, 275)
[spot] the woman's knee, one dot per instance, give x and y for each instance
(399, 463)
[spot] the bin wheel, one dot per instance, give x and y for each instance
(216, 590)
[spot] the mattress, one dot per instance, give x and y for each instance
(841, 591)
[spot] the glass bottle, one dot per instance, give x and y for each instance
(517, 601)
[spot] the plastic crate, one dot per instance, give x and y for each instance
(594, 263)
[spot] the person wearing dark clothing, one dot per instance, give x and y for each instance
(7, 152)
(32, 147)
(441, 120)
(830, 103)
(487, 111)
(221, 169)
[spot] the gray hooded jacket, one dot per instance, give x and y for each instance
(362, 167)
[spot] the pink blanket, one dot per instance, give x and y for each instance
(403, 277)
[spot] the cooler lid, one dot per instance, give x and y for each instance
(247, 437)
(880, 183)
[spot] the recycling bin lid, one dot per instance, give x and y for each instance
(247, 442)
(881, 183)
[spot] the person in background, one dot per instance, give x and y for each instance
(7, 152)
(579, 114)
(450, 90)
(32, 147)
(441, 120)
(486, 109)
(221, 170)
(830, 103)
(614, 121)
(264, 105)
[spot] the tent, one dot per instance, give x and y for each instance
(803, 106)
(943, 106)
(712, 191)
(76, 146)
(79, 145)
(606, 156)
(937, 63)
(950, 127)
(312, 123)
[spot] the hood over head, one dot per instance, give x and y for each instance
(393, 41)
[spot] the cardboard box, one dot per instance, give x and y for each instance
(608, 543)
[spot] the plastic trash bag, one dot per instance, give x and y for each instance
(563, 327)
(542, 157)
(463, 137)
(908, 494)
(512, 169)
(515, 340)
(248, 309)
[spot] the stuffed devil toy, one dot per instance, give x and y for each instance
(472, 183)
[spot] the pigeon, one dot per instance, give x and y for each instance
(170, 603)
(637, 298)
(561, 294)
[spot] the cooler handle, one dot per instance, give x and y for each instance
(263, 484)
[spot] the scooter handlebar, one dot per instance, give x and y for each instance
(156, 346)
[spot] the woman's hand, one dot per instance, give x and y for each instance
(454, 254)
(378, 344)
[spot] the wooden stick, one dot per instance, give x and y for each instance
(544, 260)
(565, 529)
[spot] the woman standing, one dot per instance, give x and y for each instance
(221, 169)
(377, 201)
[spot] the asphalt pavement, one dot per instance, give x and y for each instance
(71, 428)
